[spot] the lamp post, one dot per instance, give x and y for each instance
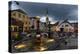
(11, 3)
(38, 25)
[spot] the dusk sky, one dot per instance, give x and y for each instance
(56, 12)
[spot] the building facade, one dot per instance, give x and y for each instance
(19, 15)
(64, 26)
(34, 22)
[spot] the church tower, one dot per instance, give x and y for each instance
(47, 21)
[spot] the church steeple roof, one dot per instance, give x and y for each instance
(47, 19)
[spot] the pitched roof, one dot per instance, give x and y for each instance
(19, 10)
(64, 22)
(56, 23)
(74, 24)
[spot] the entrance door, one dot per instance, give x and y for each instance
(61, 29)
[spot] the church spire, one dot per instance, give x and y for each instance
(47, 19)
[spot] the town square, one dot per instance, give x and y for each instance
(42, 26)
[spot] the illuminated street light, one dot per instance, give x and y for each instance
(20, 46)
(40, 48)
(50, 40)
(43, 48)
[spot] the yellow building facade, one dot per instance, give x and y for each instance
(19, 16)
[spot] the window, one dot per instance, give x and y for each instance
(66, 25)
(19, 15)
(62, 25)
(23, 16)
(14, 14)
(20, 29)
(26, 22)
(15, 29)
(29, 22)
(11, 29)
(26, 28)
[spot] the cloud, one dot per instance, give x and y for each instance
(56, 12)
(43, 19)
(73, 15)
